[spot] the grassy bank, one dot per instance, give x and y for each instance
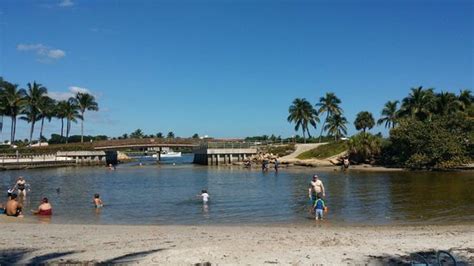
(324, 151)
(280, 150)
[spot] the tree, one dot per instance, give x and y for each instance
(47, 109)
(302, 113)
(170, 135)
(389, 114)
(446, 103)
(71, 115)
(60, 113)
(33, 96)
(85, 102)
(364, 121)
(329, 105)
(465, 98)
(137, 134)
(336, 126)
(13, 101)
(443, 142)
(159, 135)
(364, 147)
(125, 136)
(195, 136)
(419, 104)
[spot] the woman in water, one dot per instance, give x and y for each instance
(21, 185)
(44, 208)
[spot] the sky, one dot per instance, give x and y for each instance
(231, 68)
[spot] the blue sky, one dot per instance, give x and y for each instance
(232, 68)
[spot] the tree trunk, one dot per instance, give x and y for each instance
(82, 127)
(12, 131)
(67, 130)
(31, 131)
(304, 135)
(322, 127)
(62, 129)
(41, 131)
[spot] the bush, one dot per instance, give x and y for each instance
(365, 148)
(443, 142)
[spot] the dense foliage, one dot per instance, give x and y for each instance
(365, 148)
(442, 142)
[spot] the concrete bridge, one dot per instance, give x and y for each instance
(206, 152)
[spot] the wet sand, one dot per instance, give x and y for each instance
(320, 243)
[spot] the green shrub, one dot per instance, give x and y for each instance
(443, 142)
(365, 148)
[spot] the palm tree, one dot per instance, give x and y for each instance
(47, 109)
(364, 121)
(336, 126)
(419, 103)
(329, 105)
(85, 102)
(71, 114)
(60, 113)
(446, 103)
(33, 96)
(302, 113)
(12, 101)
(170, 135)
(389, 114)
(465, 98)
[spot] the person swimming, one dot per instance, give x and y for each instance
(97, 201)
(13, 207)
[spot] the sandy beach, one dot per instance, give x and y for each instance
(277, 244)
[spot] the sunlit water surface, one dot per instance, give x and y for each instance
(166, 194)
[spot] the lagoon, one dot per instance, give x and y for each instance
(166, 194)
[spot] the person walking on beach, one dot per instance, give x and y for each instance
(319, 207)
(13, 207)
(97, 201)
(44, 208)
(316, 188)
(21, 186)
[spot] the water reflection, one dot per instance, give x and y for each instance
(166, 194)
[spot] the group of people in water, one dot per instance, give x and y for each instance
(15, 201)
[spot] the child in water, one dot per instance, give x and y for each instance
(319, 207)
(97, 201)
(205, 196)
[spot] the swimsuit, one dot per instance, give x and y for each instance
(45, 212)
(21, 186)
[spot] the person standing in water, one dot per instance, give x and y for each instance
(205, 196)
(21, 186)
(97, 201)
(316, 188)
(277, 164)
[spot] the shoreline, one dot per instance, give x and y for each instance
(223, 244)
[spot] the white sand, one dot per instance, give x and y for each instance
(287, 244)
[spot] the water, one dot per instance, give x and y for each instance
(166, 194)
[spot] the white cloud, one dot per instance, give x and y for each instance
(73, 90)
(66, 3)
(56, 53)
(44, 52)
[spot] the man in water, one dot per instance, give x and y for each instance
(316, 187)
(13, 208)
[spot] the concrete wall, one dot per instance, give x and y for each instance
(221, 156)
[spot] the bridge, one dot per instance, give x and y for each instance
(206, 152)
(145, 143)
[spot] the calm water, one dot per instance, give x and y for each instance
(165, 194)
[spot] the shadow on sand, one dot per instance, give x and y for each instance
(21, 256)
(425, 257)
